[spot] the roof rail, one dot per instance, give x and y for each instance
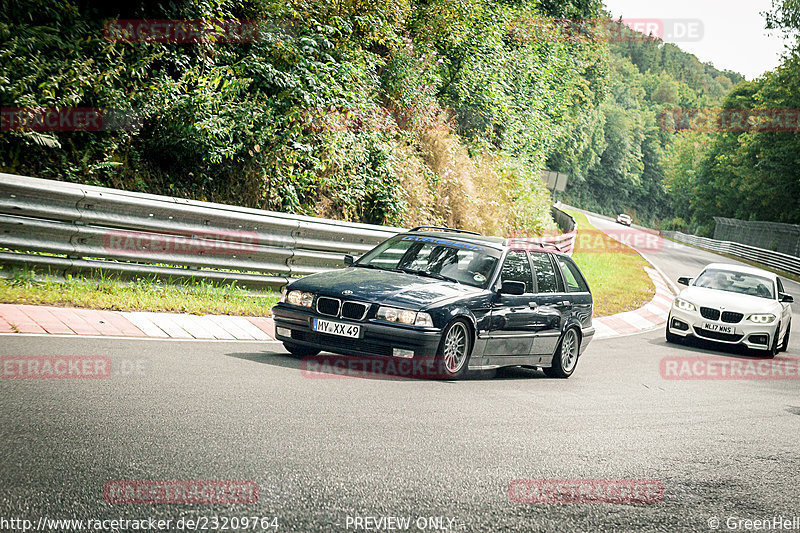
(442, 228)
(511, 242)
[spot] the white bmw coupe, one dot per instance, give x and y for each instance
(733, 304)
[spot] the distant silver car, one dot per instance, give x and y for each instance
(733, 304)
(622, 218)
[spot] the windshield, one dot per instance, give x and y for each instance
(740, 282)
(435, 257)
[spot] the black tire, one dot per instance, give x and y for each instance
(296, 350)
(455, 348)
(785, 345)
(774, 349)
(566, 358)
(671, 337)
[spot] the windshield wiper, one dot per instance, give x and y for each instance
(426, 274)
(365, 265)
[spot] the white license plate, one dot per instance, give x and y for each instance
(336, 328)
(718, 328)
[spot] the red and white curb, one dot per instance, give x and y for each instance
(648, 317)
(37, 319)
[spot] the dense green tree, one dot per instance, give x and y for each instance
(336, 108)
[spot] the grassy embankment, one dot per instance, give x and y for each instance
(142, 295)
(615, 272)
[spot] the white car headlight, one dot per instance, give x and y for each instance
(404, 316)
(683, 305)
(300, 298)
(424, 319)
(764, 318)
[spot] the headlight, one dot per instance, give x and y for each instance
(424, 319)
(761, 319)
(404, 316)
(684, 305)
(306, 298)
(300, 298)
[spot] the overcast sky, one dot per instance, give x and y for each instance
(733, 34)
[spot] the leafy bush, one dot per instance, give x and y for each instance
(400, 112)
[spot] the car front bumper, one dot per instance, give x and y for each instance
(749, 334)
(293, 325)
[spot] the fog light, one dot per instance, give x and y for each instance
(283, 332)
(679, 324)
(759, 339)
(405, 354)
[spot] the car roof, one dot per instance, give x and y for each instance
(498, 243)
(494, 242)
(741, 268)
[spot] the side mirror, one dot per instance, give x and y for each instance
(514, 288)
(785, 298)
(684, 280)
(349, 260)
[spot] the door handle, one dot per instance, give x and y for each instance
(533, 305)
(566, 303)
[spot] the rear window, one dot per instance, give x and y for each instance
(572, 276)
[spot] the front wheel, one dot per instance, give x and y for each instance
(785, 345)
(452, 357)
(775, 348)
(566, 356)
(298, 350)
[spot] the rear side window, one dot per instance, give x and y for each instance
(573, 277)
(546, 278)
(517, 268)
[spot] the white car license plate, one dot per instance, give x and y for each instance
(336, 328)
(718, 328)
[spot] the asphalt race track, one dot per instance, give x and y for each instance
(326, 450)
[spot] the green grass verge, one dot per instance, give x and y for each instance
(195, 297)
(615, 272)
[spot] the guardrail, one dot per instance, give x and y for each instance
(777, 236)
(784, 262)
(82, 228)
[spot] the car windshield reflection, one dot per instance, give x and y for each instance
(738, 282)
(435, 258)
